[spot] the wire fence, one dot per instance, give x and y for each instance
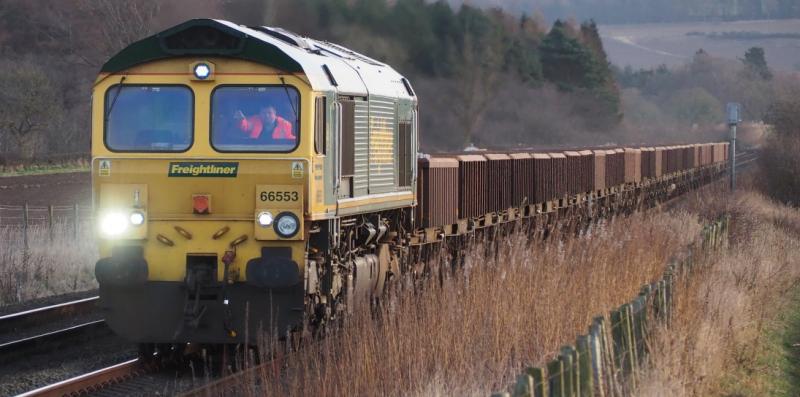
(25, 217)
(604, 362)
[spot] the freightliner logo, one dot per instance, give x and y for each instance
(204, 169)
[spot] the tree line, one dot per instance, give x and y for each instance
(464, 57)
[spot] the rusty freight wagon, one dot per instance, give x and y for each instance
(437, 190)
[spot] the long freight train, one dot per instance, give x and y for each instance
(247, 180)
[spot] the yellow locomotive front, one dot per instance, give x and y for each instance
(246, 180)
(201, 170)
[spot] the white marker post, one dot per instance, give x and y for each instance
(733, 120)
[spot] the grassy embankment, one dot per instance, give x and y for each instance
(44, 168)
(49, 267)
(737, 324)
(775, 368)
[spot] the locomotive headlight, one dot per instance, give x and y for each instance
(202, 71)
(113, 224)
(265, 218)
(286, 225)
(136, 218)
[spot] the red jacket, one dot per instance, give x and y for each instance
(254, 125)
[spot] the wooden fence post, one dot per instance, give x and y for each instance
(539, 381)
(524, 386)
(568, 369)
(631, 324)
(555, 378)
(623, 339)
(618, 335)
(585, 384)
(25, 216)
(597, 356)
(50, 216)
(646, 299)
(612, 371)
(668, 277)
(76, 221)
(637, 327)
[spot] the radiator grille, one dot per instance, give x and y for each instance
(382, 142)
(361, 168)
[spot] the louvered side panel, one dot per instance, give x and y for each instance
(382, 161)
(361, 150)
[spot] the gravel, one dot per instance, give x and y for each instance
(40, 369)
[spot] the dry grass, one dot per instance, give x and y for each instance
(54, 165)
(470, 331)
(63, 264)
(722, 310)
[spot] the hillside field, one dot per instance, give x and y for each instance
(649, 45)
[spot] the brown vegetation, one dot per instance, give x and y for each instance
(723, 307)
(49, 267)
(469, 331)
(780, 163)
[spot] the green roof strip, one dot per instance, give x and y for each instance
(155, 48)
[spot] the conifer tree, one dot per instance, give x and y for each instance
(756, 63)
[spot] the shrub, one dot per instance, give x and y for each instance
(780, 159)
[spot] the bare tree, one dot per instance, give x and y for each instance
(29, 107)
(123, 22)
(476, 82)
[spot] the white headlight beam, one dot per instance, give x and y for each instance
(265, 218)
(113, 224)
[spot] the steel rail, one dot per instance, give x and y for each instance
(92, 381)
(45, 315)
(54, 339)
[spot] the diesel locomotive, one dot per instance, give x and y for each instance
(248, 180)
(245, 175)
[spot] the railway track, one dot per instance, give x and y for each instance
(41, 345)
(93, 382)
(55, 339)
(47, 337)
(745, 158)
(131, 378)
(53, 333)
(44, 315)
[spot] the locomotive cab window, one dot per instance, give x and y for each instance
(148, 118)
(255, 119)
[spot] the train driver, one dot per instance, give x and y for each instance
(266, 121)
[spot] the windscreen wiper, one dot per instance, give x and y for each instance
(291, 103)
(113, 100)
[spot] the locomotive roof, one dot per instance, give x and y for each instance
(327, 66)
